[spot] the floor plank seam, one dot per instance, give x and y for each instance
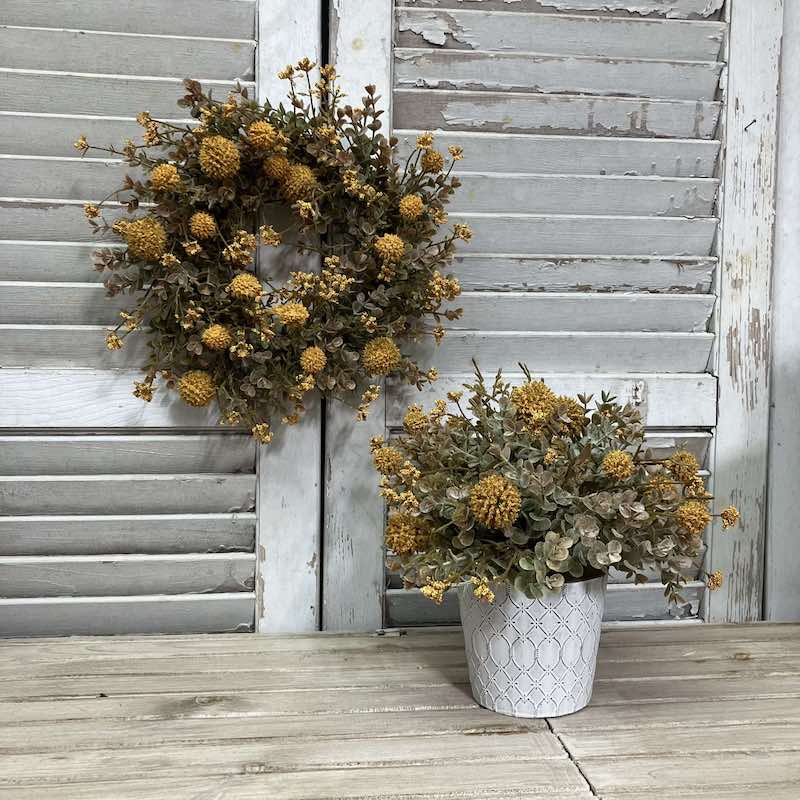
(569, 755)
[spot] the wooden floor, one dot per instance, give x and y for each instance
(678, 711)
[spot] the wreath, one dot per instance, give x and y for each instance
(207, 200)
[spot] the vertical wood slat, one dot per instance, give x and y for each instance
(782, 589)
(353, 577)
(743, 329)
(289, 469)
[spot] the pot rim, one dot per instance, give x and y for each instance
(584, 584)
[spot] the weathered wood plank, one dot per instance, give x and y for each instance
(121, 54)
(59, 221)
(548, 351)
(68, 262)
(663, 443)
(581, 273)
(126, 494)
(100, 95)
(520, 112)
(147, 533)
(574, 155)
(569, 194)
(229, 18)
(555, 74)
(471, 28)
(743, 319)
(532, 311)
(665, 401)
(122, 575)
(784, 791)
(147, 453)
(69, 616)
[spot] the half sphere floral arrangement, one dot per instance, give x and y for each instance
(524, 500)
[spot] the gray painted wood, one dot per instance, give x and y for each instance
(49, 261)
(520, 112)
(503, 272)
(228, 18)
(471, 28)
(573, 155)
(146, 534)
(532, 72)
(568, 350)
(532, 311)
(57, 221)
(101, 454)
(569, 194)
(665, 401)
(121, 54)
(126, 494)
(743, 319)
(70, 616)
(122, 575)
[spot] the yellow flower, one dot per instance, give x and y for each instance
(380, 356)
(424, 140)
(299, 183)
(196, 388)
(568, 407)
(276, 168)
(262, 135)
(269, 235)
(245, 286)
(535, 402)
(387, 460)
(482, 590)
(618, 464)
(144, 391)
(406, 534)
(495, 501)
(291, 313)
(146, 239)
(455, 396)
(660, 484)
(415, 420)
(313, 360)
(715, 580)
(81, 144)
(286, 73)
(432, 161)
(693, 516)
(192, 248)
(411, 207)
(170, 261)
(551, 456)
(164, 177)
(434, 590)
(456, 152)
(463, 232)
(216, 337)
(730, 516)
(219, 157)
(202, 225)
(91, 210)
(306, 64)
(262, 433)
(682, 466)
(113, 342)
(389, 247)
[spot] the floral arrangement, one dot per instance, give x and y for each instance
(206, 201)
(519, 485)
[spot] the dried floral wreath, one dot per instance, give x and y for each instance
(197, 217)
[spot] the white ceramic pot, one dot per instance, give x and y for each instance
(533, 658)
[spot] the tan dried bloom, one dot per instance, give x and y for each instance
(715, 580)
(146, 239)
(197, 388)
(415, 420)
(306, 64)
(434, 590)
(432, 161)
(380, 356)
(463, 232)
(217, 337)
(535, 402)
(143, 390)
(202, 225)
(170, 261)
(91, 211)
(262, 135)
(424, 140)
(495, 501)
(551, 456)
(245, 286)
(286, 72)
(730, 516)
(406, 534)
(411, 207)
(389, 247)
(191, 248)
(482, 590)
(262, 433)
(81, 144)
(276, 168)
(291, 313)
(299, 183)
(693, 516)
(387, 460)
(113, 342)
(618, 464)
(683, 466)
(370, 395)
(219, 158)
(456, 152)
(313, 360)
(269, 235)
(165, 177)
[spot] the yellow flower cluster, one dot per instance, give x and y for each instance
(715, 580)
(693, 516)
(197, 388)
(262, 433)
(146, 239)
(406, 534)
(432, 161)
(291, 313)
(482, 590)
(143, 390)
(299, 183)
(264, 136)
(216, 337)
(495, 501)
(683, 466)
(219, 157)
(202, 225)
(380, 356)
(415, 420)
(389, 247)
(535, 402)
(313, 360)
(369, 396)
(618, 464)
(165, 178)
(730, 516)
(245, 286)
(276, 168)
(441, 287)
(388, 460)
(434, 590)
(240, 250)
(113, 342)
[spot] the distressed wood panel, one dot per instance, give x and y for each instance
(551, 74)
(671, 9)
(584, 155)
(122, 575)
(126, 494)
(92, 616)
(229, 18)
(85, 398)
(582, 273)
(57, 221)
(72, 303)
(49, 261)
(569, 194)
(98, 454)
(665, 401)
(570, 351)
(66, 93)
(470, 28)
(148, 533)
(743, 318)
(520, 112)
(96, 52)
(531, 311)
(663, 443)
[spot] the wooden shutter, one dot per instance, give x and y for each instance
(590, 180)
(115, 516)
